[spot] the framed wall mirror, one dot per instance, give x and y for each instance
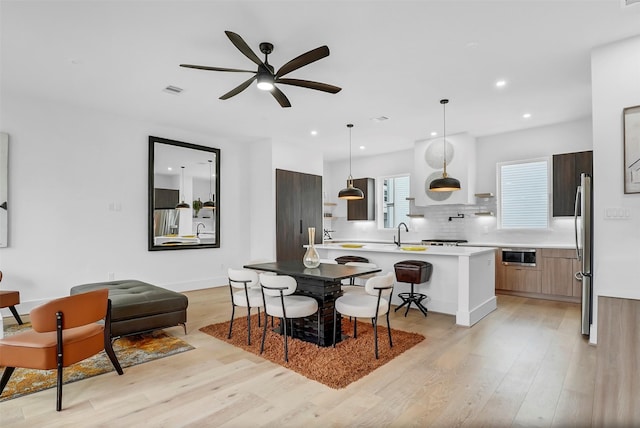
(184, 195)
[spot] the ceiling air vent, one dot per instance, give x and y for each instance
(173, 90)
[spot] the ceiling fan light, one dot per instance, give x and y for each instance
(265, 81)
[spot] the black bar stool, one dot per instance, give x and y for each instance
(413, 272)
(346, 259)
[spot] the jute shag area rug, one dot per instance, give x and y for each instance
(336, 367)
(130, 350)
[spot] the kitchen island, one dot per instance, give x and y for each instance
(462, 282)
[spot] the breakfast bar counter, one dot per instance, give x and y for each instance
(462, 282)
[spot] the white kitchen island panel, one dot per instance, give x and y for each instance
(462, 282)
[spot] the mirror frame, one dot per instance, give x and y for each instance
(151, 189)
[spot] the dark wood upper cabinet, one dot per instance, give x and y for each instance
(298, 207)
(363, 209)
(567, 168)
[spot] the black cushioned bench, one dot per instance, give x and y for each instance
(137, 306)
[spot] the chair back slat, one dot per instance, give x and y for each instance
(381, 282)
(238, 277)
(78, 309)
(273, 284)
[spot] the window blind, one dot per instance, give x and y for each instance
(524, 200)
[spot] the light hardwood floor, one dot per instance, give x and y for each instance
(525, 364)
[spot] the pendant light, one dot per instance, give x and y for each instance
(445, 183)
(210, 204)
(350, 192)
(183, 204)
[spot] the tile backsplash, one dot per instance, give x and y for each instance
(436, 225)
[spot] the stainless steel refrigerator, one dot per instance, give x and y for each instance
(583, 221)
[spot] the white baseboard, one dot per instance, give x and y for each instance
(468, 319)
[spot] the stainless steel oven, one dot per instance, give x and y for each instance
(519, 256)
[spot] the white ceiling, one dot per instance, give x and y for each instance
(392, 58)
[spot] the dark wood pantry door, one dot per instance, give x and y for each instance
(298, 207)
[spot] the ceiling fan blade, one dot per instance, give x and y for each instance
(238, 89)
(204, 67)
(325, 87)
(243, 47)
(302, 60)
(280, 96)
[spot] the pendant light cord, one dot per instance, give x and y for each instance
(444, 136)
(350, 125)
(182, 183)
(210, 198)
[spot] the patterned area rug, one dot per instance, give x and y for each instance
(131, 350)
(336, 367)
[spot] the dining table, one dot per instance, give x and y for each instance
(323, 283)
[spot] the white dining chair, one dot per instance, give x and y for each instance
(279, 301)
(353, 286)
(244, 286)
(376, 302)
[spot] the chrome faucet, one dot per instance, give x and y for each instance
(406, 229)
(198, 228)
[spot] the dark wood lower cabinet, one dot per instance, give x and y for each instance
(298, 207)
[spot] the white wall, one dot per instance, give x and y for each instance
(67, 167)
(615, 71)
(530, 143)
(545, 141)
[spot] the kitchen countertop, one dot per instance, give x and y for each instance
(567, 246)
(570, 246)
(393, 248)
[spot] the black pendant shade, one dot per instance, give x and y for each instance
(350, 192)
(445, 183)
(183, 204)
(210, 204)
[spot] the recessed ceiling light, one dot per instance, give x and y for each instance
(170, 169)
(434, 133)
(314, 133)
(173, 90)
(501, 83)
(526, 115)
(380, 118)
(362, 147)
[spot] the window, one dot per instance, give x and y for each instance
(395, 206)
(523, 194)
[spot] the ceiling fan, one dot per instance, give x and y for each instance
(265, 75)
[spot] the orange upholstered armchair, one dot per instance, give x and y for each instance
(9, 299)
(65, 331)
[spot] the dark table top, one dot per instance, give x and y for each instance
(325, 272)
